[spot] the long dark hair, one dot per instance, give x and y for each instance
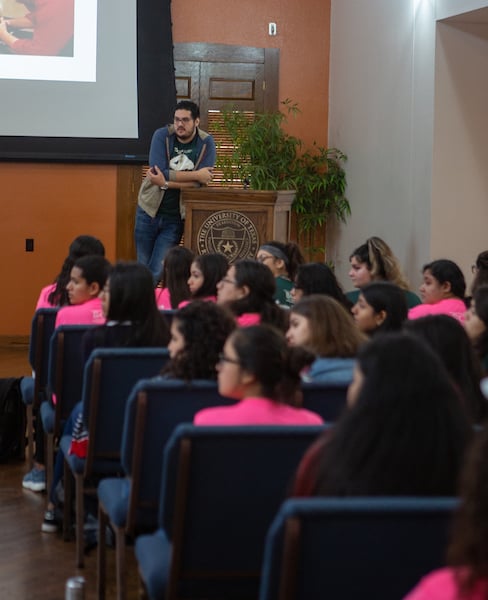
(262, 351)
(386, 296)
(405, 434)
(213, 267)
(83, 245)
(175, 273)
(290, 253)
(468, 547)
(445, 270)
(132, 299)
(449, 340)
(318, 278)
(481, 275)
(204, 326)
(260, 282)
(481, 304)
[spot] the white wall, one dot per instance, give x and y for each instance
(460, 173)
(382, 82)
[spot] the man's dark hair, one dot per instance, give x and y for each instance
(189, 105)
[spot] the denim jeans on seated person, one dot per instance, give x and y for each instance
(154, 237)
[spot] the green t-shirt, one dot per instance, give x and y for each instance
(283, 291)
(170, 206)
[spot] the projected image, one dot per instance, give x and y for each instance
(37, 27)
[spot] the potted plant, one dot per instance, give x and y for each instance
(255, 151)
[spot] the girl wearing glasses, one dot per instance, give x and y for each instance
(283, 261)
(257, 369)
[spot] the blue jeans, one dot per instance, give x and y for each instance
(154, 237)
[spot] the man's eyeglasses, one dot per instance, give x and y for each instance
(184, 120)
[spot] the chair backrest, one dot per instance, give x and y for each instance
(354, 547)
(221, 489)
(109, 376)
(65, 372)
(42, 327)
(326, 400)
(155, 407)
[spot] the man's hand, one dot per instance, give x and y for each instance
(204, 175)
(156, 176)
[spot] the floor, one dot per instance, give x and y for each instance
(36, 565)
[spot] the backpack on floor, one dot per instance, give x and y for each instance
(12, 420)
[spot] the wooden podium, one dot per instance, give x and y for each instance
(235, 222)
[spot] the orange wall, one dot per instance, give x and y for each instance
(53, 203)
(302, 37)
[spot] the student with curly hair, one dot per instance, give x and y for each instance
(442, 291)
(374, 261)
(198, 334)
(404, 432)
(283, 261)
(466, 575)
(323, 327)
(257, 369)
(248, 291)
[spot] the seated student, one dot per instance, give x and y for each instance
(476, 324)
(442, 291)
(381, 307)
(404, 432)
(205, 273)
(173, 284)
(375, 261)
(466, 576)
(133, 320)
(317, 278)
(87, 279)
(258, 369)
(448, 339)
(55, 294)
(282, 260)
(322, 326)
(480, 271)
(198, 334)
(247, 291)
(52, 296)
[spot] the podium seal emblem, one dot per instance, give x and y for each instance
(230, 233)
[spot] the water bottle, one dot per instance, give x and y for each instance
(75, 588)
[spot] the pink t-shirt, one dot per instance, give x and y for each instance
(88, 313)
(441, 585)
(454, 307)
(248, 319)
(206, 299)
(163, 298)
(257, 411)
(43, 301)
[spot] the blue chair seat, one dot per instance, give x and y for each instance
(153, 553)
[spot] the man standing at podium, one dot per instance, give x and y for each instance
(181, 156)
